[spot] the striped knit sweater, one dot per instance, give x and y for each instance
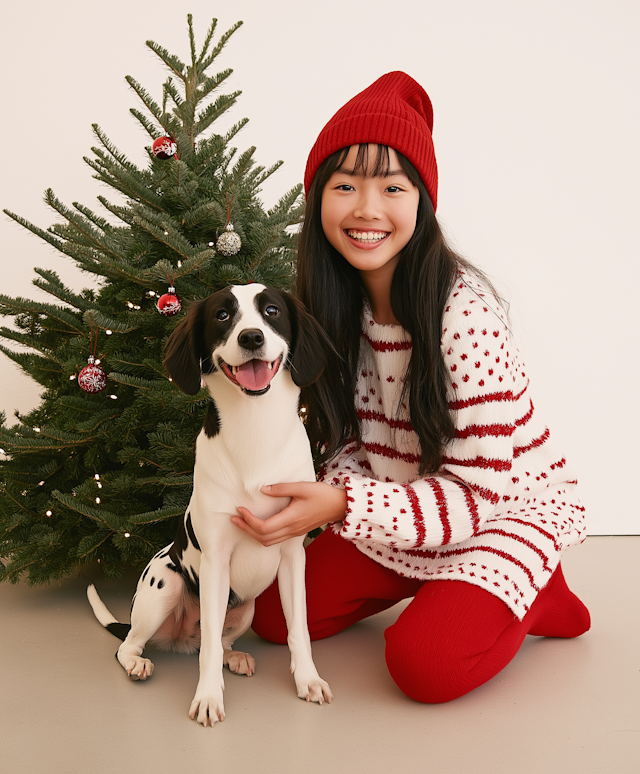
(502, 507)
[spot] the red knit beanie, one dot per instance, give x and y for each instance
(394, 111)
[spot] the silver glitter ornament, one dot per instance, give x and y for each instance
(229, 243)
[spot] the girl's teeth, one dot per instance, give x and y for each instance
(367, 236)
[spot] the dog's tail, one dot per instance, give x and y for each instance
(101, 612)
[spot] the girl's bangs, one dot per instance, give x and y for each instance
(366, 164)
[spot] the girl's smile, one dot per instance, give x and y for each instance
(367, 239)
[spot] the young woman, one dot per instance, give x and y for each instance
(440, 480)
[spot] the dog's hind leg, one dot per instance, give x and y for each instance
(160, 591)
(236, 623)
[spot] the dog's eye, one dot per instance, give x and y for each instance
(222, 315)
(272, 311)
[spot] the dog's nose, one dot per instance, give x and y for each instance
(251, 338)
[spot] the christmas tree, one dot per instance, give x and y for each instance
(102, 475)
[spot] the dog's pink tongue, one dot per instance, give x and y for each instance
(254, 375)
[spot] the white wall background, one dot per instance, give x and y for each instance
(537, 127)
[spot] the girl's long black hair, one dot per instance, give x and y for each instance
(333, 292)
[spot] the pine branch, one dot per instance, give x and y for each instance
(211, 83)
(211, 209)
(142, 384)
(192, 40)
(212, 112)
(95, 317)
(93, 238)
(13, 306)
(214, 145)
(129, 183)
(152, 129)
(29, 362)
(100, 515)
(170, 89)
(45, 235)
(92, 424)
(47, 440)
(207, 41)
(120, 158)
(148, 101)
(172, 62)
(52, 285)
(242, 165)
(165, 231)
(124, 213)
(206, 63)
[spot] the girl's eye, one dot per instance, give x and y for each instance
(394, 189)
(345, 187)
(222, 315)
(272, 311)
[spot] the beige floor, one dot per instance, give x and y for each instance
(561, 707)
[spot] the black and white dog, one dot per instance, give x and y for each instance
(254, 347)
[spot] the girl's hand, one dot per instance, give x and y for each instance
(312, 505)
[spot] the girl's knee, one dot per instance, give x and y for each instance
(450, 640)
(424, 668)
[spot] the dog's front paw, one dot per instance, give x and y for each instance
(139, 668)
(315, 690)
(240, 663)
(207, 710)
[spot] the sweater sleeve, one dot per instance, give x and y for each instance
(451, 505)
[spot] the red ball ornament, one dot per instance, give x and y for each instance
(164, 148)
(92, 378)
(169, 304)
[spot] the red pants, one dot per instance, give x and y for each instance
(450, 639)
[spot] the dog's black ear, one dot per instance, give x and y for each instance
(184, 350)
(310, 345)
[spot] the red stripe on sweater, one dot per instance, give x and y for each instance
(519, 539)
(377, 416)
(387, 346)
(472, 506)
(471, 549)
(441, 501)
(518, 450)
(481, 431)
(482, 492)
(533, 526)
(486, 494)
(418, 518)
(523, 420)
(480, 462)
(492, 397)
(389, 453)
